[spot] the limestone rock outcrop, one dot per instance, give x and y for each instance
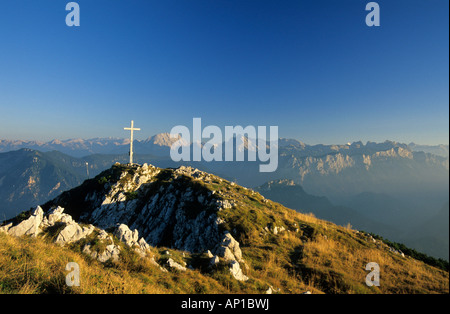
(172, 264)
(30, 226)
(131, 238)
(228, 249)
(176, 213)
(69, 231)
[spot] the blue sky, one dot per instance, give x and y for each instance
(313, 68)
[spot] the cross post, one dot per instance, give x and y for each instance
(132, 128)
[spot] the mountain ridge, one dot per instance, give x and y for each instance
(228, 235)
(79, 147)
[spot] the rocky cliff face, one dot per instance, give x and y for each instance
(166, 207)
(349, 170)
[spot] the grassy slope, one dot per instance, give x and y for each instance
(321, 256)
(310, 254)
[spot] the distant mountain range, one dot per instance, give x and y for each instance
(156, 145)
(440, 150)
(159, 144)
(73, 147)
(387, 188)
(336, 171)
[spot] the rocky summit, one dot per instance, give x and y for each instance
(187, 231)
(159, 204)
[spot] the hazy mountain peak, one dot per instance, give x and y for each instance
(440, 150)
(283, 142)
(56, 142)
(163, 139)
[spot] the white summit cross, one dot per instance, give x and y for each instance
(131, 138)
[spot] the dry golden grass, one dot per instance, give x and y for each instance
(398, 274)
(30, 265)
(332, 259)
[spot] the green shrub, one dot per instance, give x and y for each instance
(102, 181)
(131, 195)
